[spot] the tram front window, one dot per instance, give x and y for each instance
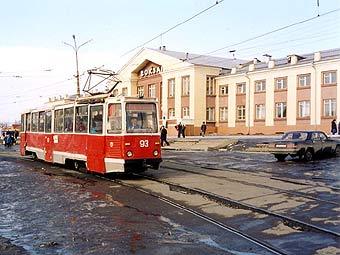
(141, 118)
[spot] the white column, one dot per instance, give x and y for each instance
(291, 100)
(270, 111)
(232, 105)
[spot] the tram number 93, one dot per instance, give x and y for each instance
(144, 143)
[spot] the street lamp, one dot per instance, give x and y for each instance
(76, 48)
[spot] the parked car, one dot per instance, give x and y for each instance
(305, 145)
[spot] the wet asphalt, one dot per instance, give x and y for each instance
(46, 209)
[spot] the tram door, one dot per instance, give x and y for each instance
(48, 146)
(96, 140)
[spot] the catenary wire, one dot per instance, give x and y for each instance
(173, 27)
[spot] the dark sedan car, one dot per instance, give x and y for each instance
(304, 144)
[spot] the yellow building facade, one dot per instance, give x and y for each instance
(237, 96)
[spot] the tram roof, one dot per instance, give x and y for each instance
(87, 100)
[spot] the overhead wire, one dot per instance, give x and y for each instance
(217, 50)
(173, 27)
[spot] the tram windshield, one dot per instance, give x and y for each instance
(141, 118)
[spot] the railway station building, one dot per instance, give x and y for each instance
(233, 96)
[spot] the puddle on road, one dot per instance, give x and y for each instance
(186, 236)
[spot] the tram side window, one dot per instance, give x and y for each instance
(41, 122)
(59, 120)
(68, 120)
(28, 121)
(81, 119)
(35, 121)
(141, 118)
(22, 128)
(96, 119)
(114, 119)
(48, 121)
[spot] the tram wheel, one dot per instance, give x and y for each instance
(76, 165)
(34, 156)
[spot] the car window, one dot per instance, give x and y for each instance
(322, 136)
(315, 136)
(295, 136)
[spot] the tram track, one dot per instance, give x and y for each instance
(289, 221)
(294, 193)
(252, 239)
(255, 239)
(250, 172)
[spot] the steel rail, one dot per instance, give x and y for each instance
(299, 193)
(253, 240)
(237, 204)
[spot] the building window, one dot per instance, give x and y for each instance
(329, 77)
(260, 111)
(152, 90)
(224, 90)
(185, 112)
(329, 107)
(304, 109)
(223, 114)
(124, 91)
(140, 91)
(241, 88)
(280, 110)
(210, 114)
(304, 80)
(171, 113)
(171, 87)
(260, 86)
(185, 85)
(281, 83)
(241, 112)
(210, 85)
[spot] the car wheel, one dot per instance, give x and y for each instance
(309, 155)
(337, 151)
(280, 157)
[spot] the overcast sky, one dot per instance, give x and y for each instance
(36, 65)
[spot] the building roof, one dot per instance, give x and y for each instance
(283, 62)
(203, 60)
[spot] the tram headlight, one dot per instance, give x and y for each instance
(155, 153)
(129, 153)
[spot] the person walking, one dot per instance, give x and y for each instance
(164, 133)
(179, 129)
(333, 127)
(183, 130)
(203, 129)
(339, 128)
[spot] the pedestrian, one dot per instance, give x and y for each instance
(179, 129)
(339, 128)
(183, 130)
(203, 129)
(164, 133)
(16, 134)
(333, 127)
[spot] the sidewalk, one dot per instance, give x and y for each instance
(216, 143)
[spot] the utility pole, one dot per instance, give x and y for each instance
(76, 48)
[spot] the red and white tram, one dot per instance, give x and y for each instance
(104, 134)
